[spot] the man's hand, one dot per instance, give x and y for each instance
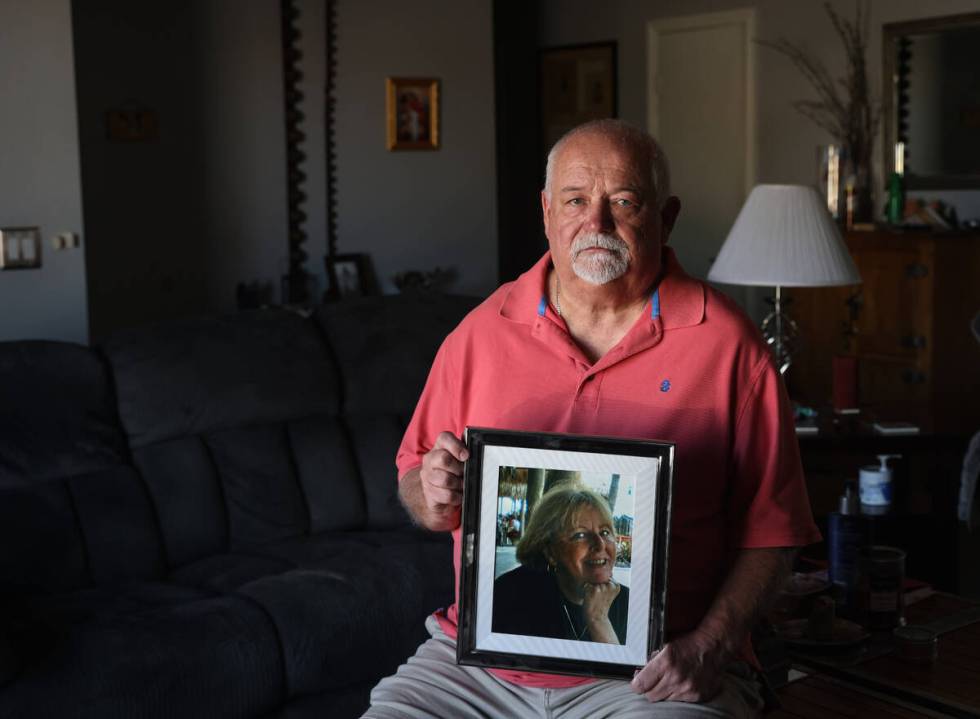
(688, 669)
(433, 492)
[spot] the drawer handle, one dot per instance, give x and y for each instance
(913, 342)
(913, 376)
(916, 271)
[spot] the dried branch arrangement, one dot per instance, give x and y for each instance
(845, 107)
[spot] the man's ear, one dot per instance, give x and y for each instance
(545, 206)
(668, 216)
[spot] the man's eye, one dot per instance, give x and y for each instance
(605, 533)
(578, 536)
(575, 201)
(623, 202)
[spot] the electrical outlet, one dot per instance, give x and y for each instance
(20, 248)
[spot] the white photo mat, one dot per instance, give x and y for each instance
(643, 472)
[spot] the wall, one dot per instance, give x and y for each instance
(177, 221)
(244, 146)
(39, 170)
(143, 199)
(419, 209)
(175, 224)
(786, 141)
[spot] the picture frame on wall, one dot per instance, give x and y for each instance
(550, 521)
(578, 84)
(412, 113)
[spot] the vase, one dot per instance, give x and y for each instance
(845, 184)
(830, 180)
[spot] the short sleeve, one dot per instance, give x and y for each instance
(435, 412)
(769, 505)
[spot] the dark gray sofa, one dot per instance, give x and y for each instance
(201, 519)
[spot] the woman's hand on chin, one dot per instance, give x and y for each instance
(598, 599)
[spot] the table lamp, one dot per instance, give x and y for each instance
(783, 237)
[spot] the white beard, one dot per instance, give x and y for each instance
(598, 268)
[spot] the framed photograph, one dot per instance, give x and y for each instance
(578, 84)
(412, 111)
(564, 566)
(347, 275)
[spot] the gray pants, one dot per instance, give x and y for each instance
(432, 686)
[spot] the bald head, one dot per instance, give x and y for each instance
(638, 144)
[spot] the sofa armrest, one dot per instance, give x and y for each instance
(10, 660)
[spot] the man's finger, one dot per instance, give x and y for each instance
(650, 675)
(441, 459)
(452, 444)
(442, 498)
(442, 479)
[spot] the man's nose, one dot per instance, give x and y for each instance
(600, 217)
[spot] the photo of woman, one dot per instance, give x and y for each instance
(563, 585)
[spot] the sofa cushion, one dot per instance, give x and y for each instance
(351, 611)
(187, 378)
(139, 648)
(59, 413)
(41, 548)
(384, 347)
(119, 529)
(97, 527)
(233, 423)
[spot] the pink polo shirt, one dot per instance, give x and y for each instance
(692, 370)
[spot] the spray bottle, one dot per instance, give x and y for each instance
(847, 535)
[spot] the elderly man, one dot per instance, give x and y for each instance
(607, 335)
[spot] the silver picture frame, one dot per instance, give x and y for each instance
(505, 477)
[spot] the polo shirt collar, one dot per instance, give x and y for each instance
(681, 297)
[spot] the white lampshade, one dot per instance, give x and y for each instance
(784, 236)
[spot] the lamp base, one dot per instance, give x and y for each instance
(780, 332)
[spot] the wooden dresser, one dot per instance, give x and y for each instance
(908, 324)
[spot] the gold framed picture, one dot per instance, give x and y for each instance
(412, 110)
(578, 84)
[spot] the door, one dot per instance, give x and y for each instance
(40, 183)
(701, 106)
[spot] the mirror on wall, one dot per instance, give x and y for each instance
(931, 102)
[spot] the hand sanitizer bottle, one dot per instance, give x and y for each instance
(876, 486)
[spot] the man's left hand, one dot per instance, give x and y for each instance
(688, 669)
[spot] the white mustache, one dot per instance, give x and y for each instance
(588, 240)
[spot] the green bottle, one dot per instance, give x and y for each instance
(896, 199)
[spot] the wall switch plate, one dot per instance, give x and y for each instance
(65, 241)
(20, 248)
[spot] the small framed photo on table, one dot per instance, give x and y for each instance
(347, 275)
(564, 557)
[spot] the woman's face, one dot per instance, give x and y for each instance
(586, 551)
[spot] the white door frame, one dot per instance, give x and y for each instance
(745, 20)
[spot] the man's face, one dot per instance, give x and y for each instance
(601, 218)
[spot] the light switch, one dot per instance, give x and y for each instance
(20, 248)
(65, 241)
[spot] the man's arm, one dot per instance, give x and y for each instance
(433, 492)
(690, 667)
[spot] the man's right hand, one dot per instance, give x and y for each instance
(433, 492)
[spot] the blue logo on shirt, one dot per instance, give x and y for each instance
(665, 386)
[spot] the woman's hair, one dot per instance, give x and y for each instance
(553, 514)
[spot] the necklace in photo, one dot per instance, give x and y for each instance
(575, 632)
